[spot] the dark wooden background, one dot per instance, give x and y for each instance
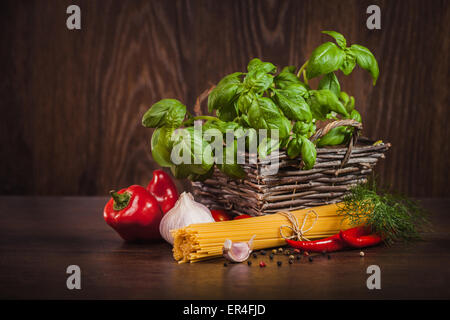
(72, 101)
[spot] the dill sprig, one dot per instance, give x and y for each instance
(392, 216)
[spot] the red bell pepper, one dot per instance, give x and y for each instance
(360, 237)
(330, 244)
(134, 213)
(242, 216)
(220, 215)
(163, 189)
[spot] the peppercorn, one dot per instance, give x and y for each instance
(324, 252)
(225, 264)
(310, 259)
(249, 262)
(279, 263)
(262, 264)
(329, 257)
(263, 252)
(291, 261)
(254, 255)
(291, 257)
(271, 256)
(274, 251)
(299, 257)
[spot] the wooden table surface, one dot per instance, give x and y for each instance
(41, 236)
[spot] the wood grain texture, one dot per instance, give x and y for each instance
(41, 236)
(72, 100)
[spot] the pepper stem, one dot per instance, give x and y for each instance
(121, 201)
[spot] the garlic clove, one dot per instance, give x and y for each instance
(237, 251)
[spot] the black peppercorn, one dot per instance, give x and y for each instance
(279, 263)
(255, 256)
(324, 252)
(329, 257)
(225, 264)
(249, 262)
(310, 259)
(271, 257)
(263, 252)
(299, 257)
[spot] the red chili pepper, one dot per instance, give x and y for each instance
(220, 215)
(242, 216)
(134, 213)
(357, 231)
(330, 244)
(163, 189)
(360, 237)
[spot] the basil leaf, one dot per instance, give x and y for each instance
(355, 115)
(330, 82)
(285, 127)
(243, 121)
(350, 105)
(267, 146)
(286, 78)
(334, 137)
(324, 101)
(181, 171)
(340, 40)
(294, 147)
(233, 170)
(366, 60)
(257, 64)
(222, 126)
(349, 63)
(284, 142)
(245, 101)
(264, 114)
(185, 171)
(166, 112)
(190, 142)
(309, 153)
(160, 146)
(228, 113)
(304, 128)
(225, 93)
(249, 134)
(201, 177)
(289, 69)
(258, 80)
(324, 59)
(343, 96)
(292, 104)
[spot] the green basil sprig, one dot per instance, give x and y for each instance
(330, 57)
(261, 98)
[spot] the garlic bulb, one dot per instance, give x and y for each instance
(186, 211)
(237, 251)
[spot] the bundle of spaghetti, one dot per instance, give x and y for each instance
(198, 242)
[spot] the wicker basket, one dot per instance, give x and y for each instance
(337, 169)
